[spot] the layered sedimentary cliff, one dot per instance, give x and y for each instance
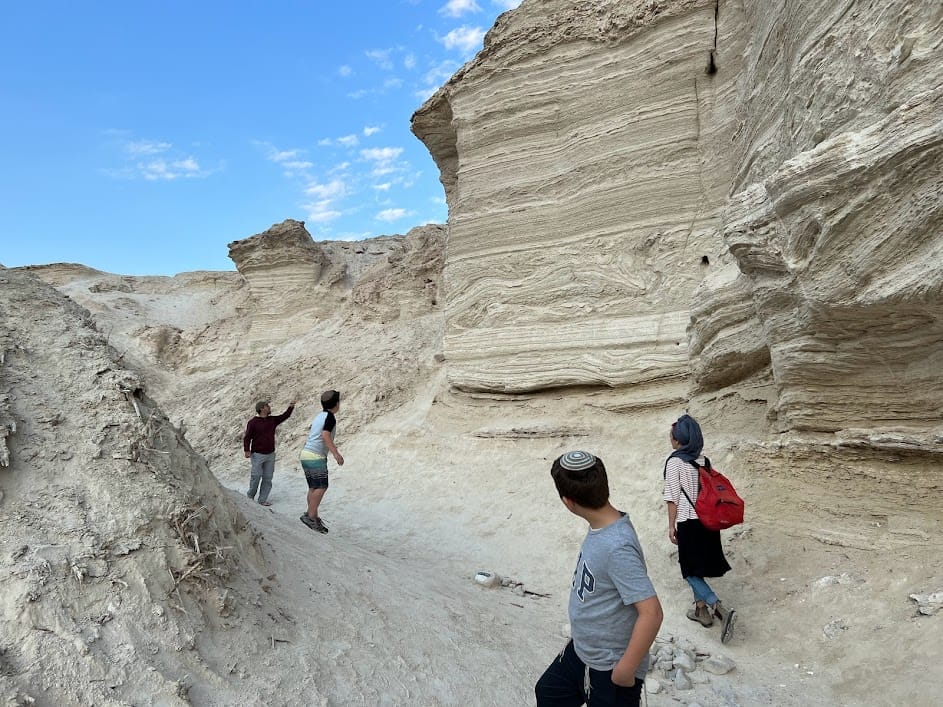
(703, 192)
(584, 175)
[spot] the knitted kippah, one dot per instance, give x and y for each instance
(577, 461)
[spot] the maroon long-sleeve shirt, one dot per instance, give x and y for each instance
(260, 432)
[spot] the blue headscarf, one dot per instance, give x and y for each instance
(688, 433)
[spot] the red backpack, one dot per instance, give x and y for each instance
(718, 506)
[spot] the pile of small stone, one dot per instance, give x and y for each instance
(678, 665)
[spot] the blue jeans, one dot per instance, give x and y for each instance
(263, 467)
(564, 684)
(702, 590)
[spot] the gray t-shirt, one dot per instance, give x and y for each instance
(610, 577)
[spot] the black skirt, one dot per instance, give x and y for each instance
(699, 551)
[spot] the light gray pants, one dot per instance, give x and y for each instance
(263, 467)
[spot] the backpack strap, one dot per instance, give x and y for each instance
(687, 497)
(707, 465)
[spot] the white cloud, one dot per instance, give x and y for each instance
(292, 161)
(325, 142)
(369, 130)
(153, 160)
(424, 94)
(297, 165)
(435, 77)
(146, 147)
(331, 191)
(465, 39)
(381, 57)
(381, 155)
(506, 4)
(441, 72)
(321, 206)
(457, 8)
(320, 212)
(409, 61)
(391, 214)
(169, 170)
(348, 141)
(345, 70)
(383, 159)
(189, 165)
(383, 187)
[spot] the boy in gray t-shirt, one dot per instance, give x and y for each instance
(614, 611)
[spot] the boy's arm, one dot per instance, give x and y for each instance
(329, 443)
(643, 635)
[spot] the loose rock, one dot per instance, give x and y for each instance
(718, 665)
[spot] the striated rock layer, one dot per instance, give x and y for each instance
(701, 192)
(291, 277)
(584, 193)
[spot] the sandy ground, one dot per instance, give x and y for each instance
(438, 485)
(420, 513)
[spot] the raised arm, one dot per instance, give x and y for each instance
(279, 419)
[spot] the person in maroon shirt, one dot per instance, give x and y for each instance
(259, 446)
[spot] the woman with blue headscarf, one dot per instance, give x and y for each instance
(700, 553)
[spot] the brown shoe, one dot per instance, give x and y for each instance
(701, 614)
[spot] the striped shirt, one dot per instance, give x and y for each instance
(680, 474)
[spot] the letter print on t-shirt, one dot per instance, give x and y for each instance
(587, 582)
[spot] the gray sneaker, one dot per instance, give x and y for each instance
(314, 524)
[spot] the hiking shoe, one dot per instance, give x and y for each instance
(313, 523)
(701, 614)
(726, 630)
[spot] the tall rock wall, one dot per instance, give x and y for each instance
(835, 221)
(705, 193)
(584, 170)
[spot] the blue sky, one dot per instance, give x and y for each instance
(142, 136)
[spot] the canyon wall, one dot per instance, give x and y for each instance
(675, 197)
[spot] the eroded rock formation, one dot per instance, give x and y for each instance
(705, 192)
(289, 273)
(117, 541)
